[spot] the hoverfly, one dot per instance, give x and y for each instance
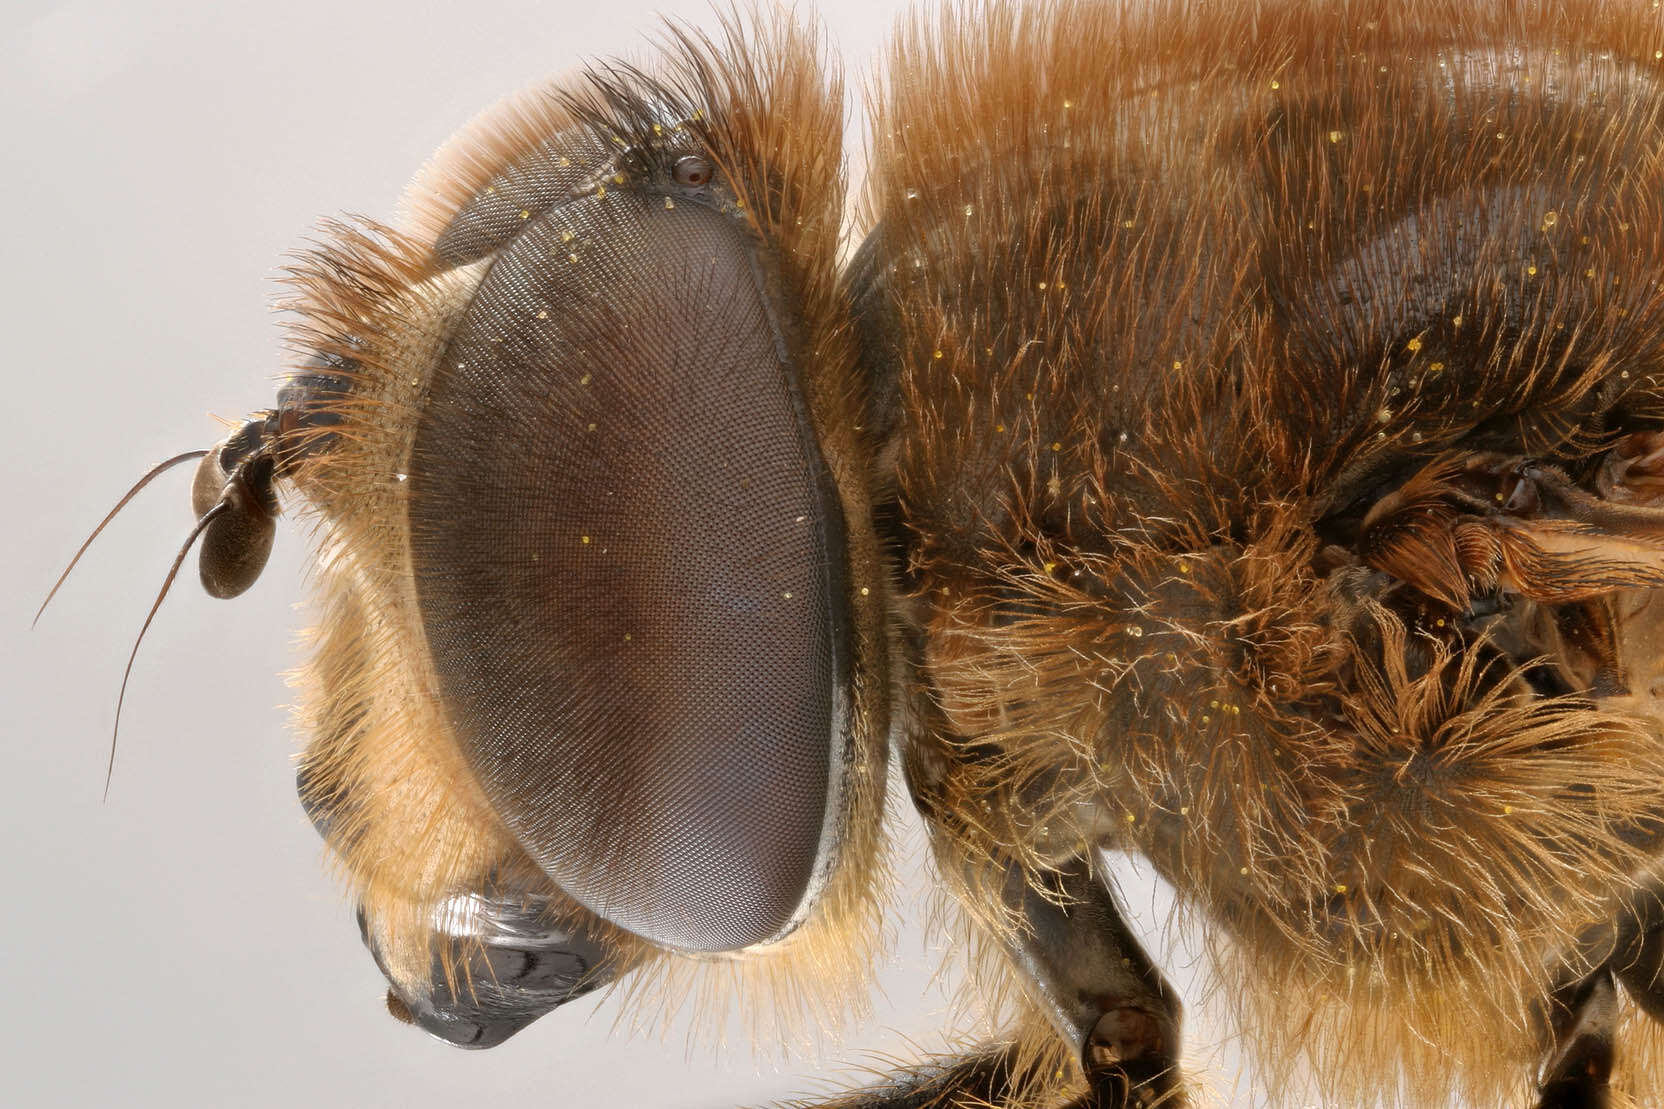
(1237, 438)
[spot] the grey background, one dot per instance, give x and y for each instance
(182, 944)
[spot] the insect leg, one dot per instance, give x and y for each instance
(979, 1078)
(1099, 987)
(1583, 1018)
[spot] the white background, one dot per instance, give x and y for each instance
(182, 944)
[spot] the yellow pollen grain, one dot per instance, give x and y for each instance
(1437, 367)
(936, 354)
(1068, 103)
(1589, 273)
(600, 191)
(865, 591)
(1184, 567)
(1206, 719)
(586, 539)
(543, 314)
(1456, 321)
(490, 190)
(1042, 285)
(1413, 345)
(1335, 136)
(1057, 446)
(1550, 219)
(573, 258)
(1276, 84)
(1243, 871)
(584, 380)
(566, 236)
(1531, 270)
(565, 161)
(669, 203)
(787, 595)
(525, 213)
(618, 179)
(1340, 887)
(1131, 818)
(970, 209)
(1184, 810)
(999, 427)
(1507, 810)
(1177, 365)
(591, 427)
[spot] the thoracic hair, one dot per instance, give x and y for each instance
(1166, 294)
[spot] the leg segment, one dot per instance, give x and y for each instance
(1102, 992)
(981, 1078)
(1583, 1017)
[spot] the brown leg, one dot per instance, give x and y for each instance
(1583, 1018)
(981, 1078)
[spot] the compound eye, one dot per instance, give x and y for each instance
(692, 171)
(628, 554)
